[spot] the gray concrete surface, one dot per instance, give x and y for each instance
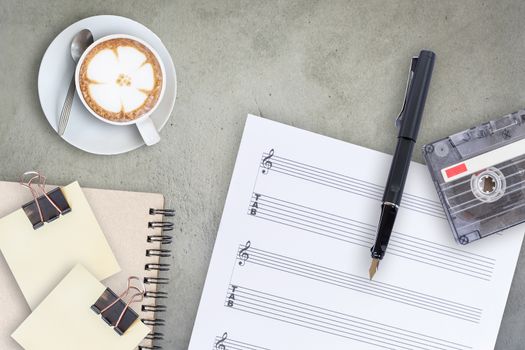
(332, 67)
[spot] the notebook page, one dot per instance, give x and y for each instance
(40, 258)
(290, 264)
(65, 321)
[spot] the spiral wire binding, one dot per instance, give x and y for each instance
(157, 267)
(162, 239)
(155, 322)
(155, 336)
(154, 308)
(156, 280)
(165, 212)
(164, 225)
(163, 253)
(156, 295)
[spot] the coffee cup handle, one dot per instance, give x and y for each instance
(148, 131)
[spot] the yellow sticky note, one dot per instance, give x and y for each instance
(65, 321)
(40, 258)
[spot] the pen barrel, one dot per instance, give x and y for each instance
(392, 195)
(384, 230)
(398, 171)
(417, 95)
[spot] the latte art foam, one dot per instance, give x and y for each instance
(120, 79)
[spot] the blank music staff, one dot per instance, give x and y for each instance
(332, 322)
(346, 183)
(224, 342)
(247, 253)
(362, 234)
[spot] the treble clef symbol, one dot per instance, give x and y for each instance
(219, 344)
(267, 163)
(243, 255)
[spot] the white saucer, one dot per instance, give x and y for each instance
(84, 131)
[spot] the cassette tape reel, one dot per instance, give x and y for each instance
(479, 175)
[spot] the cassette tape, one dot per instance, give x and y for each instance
(479, 175)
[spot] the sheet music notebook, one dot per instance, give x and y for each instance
(132, 233)
(289, 268)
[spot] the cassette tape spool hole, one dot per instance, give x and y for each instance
(489, 185)
(440, 149)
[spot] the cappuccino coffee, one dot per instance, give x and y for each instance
(120, 79)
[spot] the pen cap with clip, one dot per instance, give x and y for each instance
(419, 81)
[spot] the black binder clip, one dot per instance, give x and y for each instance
(46, 208)
(114, 311)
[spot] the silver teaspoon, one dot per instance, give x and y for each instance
(80, 43)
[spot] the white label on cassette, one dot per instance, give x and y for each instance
(483, 161)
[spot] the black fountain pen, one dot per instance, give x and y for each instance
(408, 123)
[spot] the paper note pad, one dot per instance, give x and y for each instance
(65, 321)
(40, 258)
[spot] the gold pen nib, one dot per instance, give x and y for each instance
(373, 268)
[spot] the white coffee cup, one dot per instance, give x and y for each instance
(145, 125)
